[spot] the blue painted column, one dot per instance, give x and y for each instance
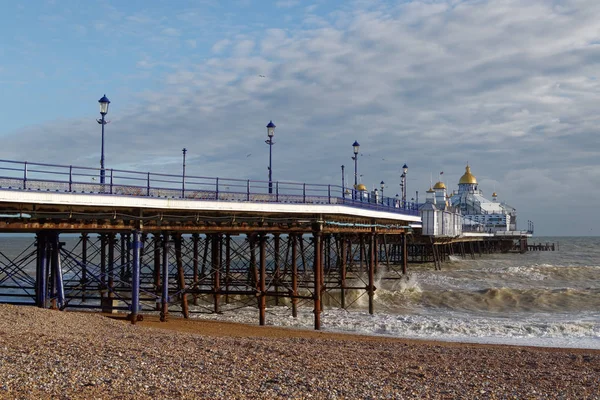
(135, 279)
(59, 289)
(42, 271)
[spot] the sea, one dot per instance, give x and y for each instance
(539, 298)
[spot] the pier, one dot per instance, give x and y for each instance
(151, 242)
(146, 242)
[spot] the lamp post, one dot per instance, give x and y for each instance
(355, 147)
(403, 176)
(343, 184)
(184, 150)
(104, 102)
(382, 185)
(402, 179)
(270, 142)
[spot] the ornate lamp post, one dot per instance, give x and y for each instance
(184, 150)
(104, 102)
(382, 185)
(270, 142)
(356, 147)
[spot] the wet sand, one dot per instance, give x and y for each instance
(53, 354)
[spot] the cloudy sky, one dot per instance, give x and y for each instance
(509, 86)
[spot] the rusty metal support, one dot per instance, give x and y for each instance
(181, 276)
(404, 254)
(371, 287)
(294, 239)
(217, 244)
(262, 293)
(227, 266)
(317, 267)
(276, 267)
(164, 311)
(343, 261)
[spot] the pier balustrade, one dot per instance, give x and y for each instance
(27, 176)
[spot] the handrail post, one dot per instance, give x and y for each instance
(248, 190)
(304, 193)
(148, 185)
(277, 191)
(217, 189)
(329, 193)
(111, 181)
(25, 176)
(70, 178)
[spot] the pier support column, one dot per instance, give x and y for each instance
(59, 289)
(227, 266)
(343, 261)
(195, 239)
(262, 293)
(404, 254)
(317, 268)
(181, 276)
(102, 267)
(371, 286)
(42, 271)
(83, 282)
(294, 239)
(164, 310)
(277, 267)
(156, 271)
(135, 278)
(216, 268)
(111, 268)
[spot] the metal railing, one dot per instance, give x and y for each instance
(17, 175)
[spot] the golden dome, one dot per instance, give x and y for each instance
(431, 190)
(467, 178)
(439, 185)
(494, 194)
(361, 187)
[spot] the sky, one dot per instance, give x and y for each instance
(508, 86)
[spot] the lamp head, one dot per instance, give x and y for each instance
(356, 147)
(104, 102)
(270, 129)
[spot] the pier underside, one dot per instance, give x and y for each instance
(183, 261)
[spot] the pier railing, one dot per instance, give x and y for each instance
(17, 175)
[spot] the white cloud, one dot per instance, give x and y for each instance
(286, 3)
(171, 32)
(220, 46)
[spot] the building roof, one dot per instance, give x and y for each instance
(467, 178)
(361, 187)
(439, 185)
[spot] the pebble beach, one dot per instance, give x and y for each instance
(74, 355)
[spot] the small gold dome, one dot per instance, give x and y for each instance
(494, 194)
(439, 185)
(361, 187)
(431, 190)
(467, 178)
